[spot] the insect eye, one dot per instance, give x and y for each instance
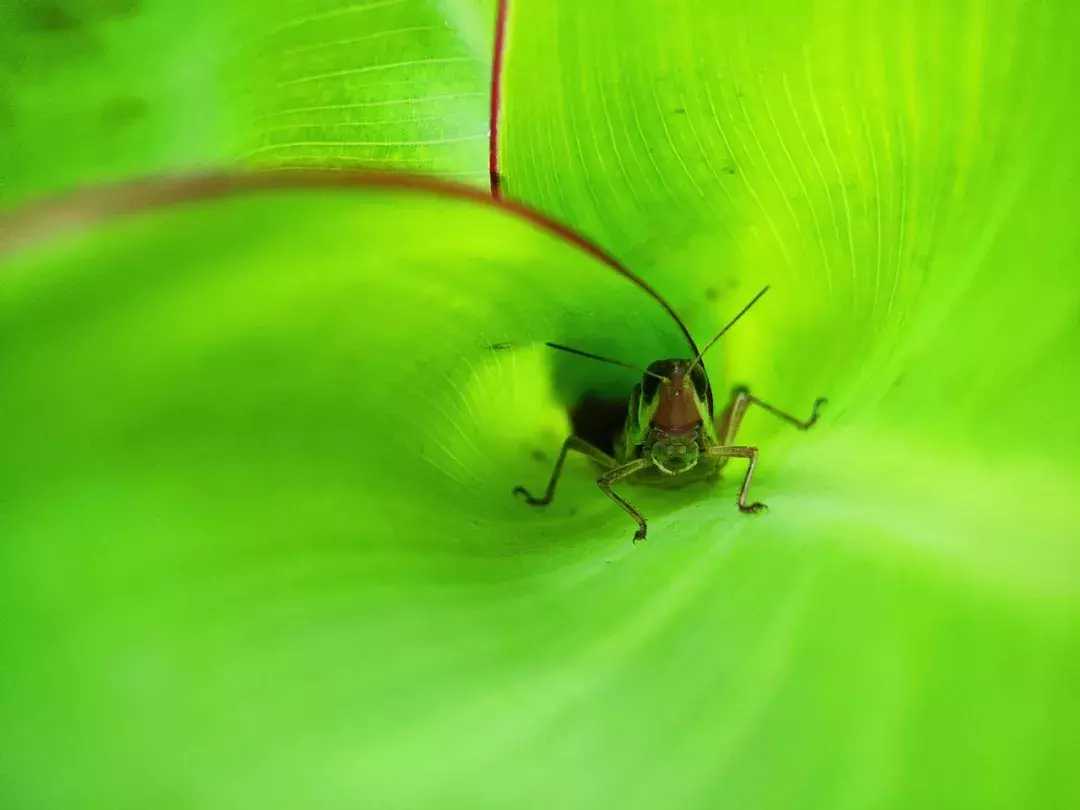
(649, 387)
(701, 383)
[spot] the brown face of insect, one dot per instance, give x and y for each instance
(676, 398)
(677, 409)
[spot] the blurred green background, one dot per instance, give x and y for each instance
(257, 542)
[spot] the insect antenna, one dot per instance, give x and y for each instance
(609, 360)
(729, 324)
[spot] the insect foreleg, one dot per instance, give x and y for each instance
(742, 399)
(751, 455)
(611, 477)
(571, 443)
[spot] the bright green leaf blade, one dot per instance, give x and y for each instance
(96, 91)
(905, 177)
(261, 550)
(379, 84)
(912, 204)
(279, 451)
(91, 91)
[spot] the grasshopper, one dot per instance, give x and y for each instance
(670, 434)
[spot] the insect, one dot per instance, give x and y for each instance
(670, 434)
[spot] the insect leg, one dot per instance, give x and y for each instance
(606, 480)
(742, 399)
(571, 443)
(751, 455)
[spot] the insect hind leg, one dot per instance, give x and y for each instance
(741, 399)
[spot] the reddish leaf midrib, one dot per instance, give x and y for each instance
(496, 98)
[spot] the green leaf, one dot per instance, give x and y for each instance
(260, 530)
(904, 179)
(103, 90)
(257, 487)
(384, 83)
(97, 90)
(260, 547)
